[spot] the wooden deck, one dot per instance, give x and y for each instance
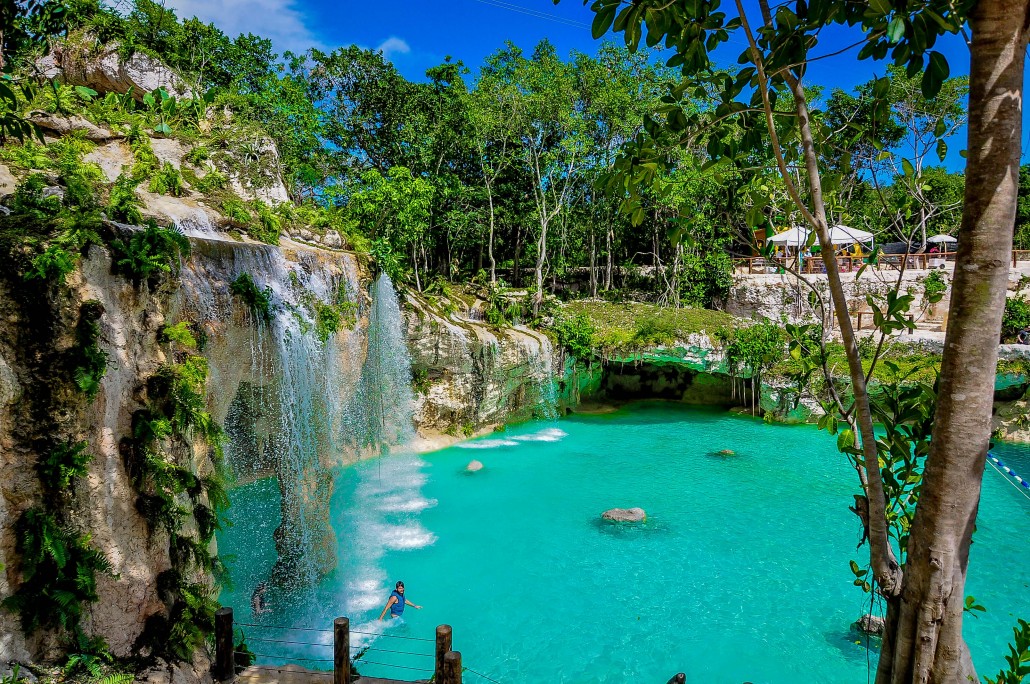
(292, 674)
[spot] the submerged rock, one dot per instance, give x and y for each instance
(625, 515)
(474, 466)
(869, 624)
(726, 452)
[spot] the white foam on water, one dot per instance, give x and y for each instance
(398, 503)
(545, 435)
(405, 537)
(487, 444)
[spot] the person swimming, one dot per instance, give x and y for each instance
(395, 604)
(258, 604)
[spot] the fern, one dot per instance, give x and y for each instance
(63, 464)
(150, 252)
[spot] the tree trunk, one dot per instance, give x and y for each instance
(593, 263)
(608, 267)
(924, 628)
(493, 264)
(540, 255)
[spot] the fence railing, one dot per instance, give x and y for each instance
(814, 264)
(446, 663)
(447, 667)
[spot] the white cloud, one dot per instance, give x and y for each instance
(279, 20)
(394, 46)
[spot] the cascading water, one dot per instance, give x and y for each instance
(290, 401)
(386, 399)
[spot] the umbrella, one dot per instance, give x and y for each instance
(942, 238)
(795, 237)
(843, 235)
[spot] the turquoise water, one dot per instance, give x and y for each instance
(740, 573)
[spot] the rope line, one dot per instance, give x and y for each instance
(386, 650)
(282, 657)
(296, 629)
(1010, 471)
(271, 668)
(392, 636)
(480, 674)
(403, 667)
(283, 641)
(1009, 481)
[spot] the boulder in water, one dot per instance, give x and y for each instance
(869, 624)
(727, 452)
(625, 515)
(474, 466)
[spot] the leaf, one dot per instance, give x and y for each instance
(942, 149)
(896, 29)
(85, 93)
(907, 167)
(937, 71)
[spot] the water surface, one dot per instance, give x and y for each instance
(740, 573)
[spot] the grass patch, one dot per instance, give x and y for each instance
(628, 327)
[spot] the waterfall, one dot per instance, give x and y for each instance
(390, 401)
(292, 403)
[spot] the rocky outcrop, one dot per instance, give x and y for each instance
(80, 61)
(470, 375)
(870, 624)
(625, 515)
(60, 125)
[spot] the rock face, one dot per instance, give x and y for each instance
(625, 515)
(106, 71)
(470, 375)
(870, 624)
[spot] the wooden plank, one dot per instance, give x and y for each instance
(293, 674)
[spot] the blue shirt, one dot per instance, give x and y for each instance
(397, 608)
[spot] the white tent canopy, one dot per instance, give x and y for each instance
(795, 237)
(843, 235)
(942, 238)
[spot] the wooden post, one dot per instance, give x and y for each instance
(678, 679)
(443, 645)
(225, 657)
(451, 668)
(341, 651)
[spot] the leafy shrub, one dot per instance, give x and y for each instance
(59, 571)
(269, 225)
(198, 155)
(655, 330)
(1015, 319)
(576, 334)
(236, 212)
(28, 156)
(89, 359)
(123, 204)
(167, 181)
(63, 464)
(145, 161)
(1017, 659)
(150, 252)
(934, 287)
(53, 265)
(180, 334)
(755, 349)
(29, 200)
(212, 181)
(327, 321)
(707, 277)
(258, 301)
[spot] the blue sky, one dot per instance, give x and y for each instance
(417, 34)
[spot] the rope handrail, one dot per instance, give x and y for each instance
(296, 629)
(403, 667)
(480, 674)
(282, 657)
(386, 650)
(284, 641)
(272, 668)
(392, 636)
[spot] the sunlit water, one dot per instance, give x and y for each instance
(740, 573)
